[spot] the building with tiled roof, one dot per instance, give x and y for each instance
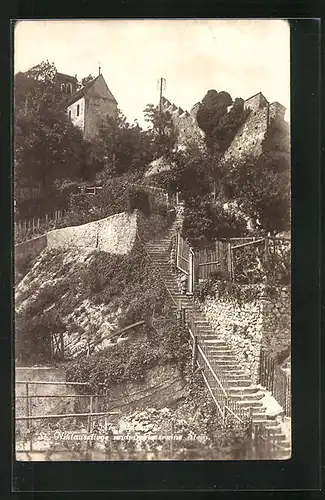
(90, 106)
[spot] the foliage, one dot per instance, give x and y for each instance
(219, 124)
(129, 361)
(85, 80)
(139, 199)
(33, 336)
(124, 147)
(120, 281)
(47, 146)
(261, 187)
(163, 133)
(218, 286)
(204, 222)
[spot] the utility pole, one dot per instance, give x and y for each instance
(162, 85)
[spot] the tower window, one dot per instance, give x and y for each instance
(78, 109)
(69, 88)
(69, 113)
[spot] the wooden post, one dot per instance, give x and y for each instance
(266, 256)
(62, 345)
(90, 411)
(46, 218)
(51, 348)
(229, 261)
(172, 436)
(190, 272)
(194, 352)
(182, 316)
(177, 248)
(27, 406)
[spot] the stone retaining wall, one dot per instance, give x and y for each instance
(249, 325)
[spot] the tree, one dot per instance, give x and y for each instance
(162, 130)
(219, 124)
(47, 146)
(204, 222)
(85, 80)
(261, 187)
(124, 146)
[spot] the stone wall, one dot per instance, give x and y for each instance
(247, 326)
(97, 111)
(78, 119)
(185, 124)
(115, 234)
(250, 136)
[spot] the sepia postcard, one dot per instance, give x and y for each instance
(152, 246)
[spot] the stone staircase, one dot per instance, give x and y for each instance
(238, 385)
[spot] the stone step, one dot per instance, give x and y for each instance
(238, 373)
(240, 390)
(250, 403)
(215, 353)
(215, 344)
(220, 366)
(237, 396)
(210, 338)
(240, 383)
(218, 352)
(263, 420)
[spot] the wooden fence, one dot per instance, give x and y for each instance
(276, 380)
(28, 228)
(212, 260)
(241, 260)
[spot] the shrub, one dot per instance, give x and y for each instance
(205, 222)
(131, 360)
(138, 199)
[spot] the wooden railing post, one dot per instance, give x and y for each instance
(229, 262)
(90, 411)
(191, 272)
(62, 345)
(194, 352)
(27, 406)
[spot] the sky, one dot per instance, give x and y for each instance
(241, 57)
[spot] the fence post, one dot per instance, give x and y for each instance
(46, 218)
(177, 248)
(27, 406)
(191, 272)
(194, 352)
(183, 316)
(90, 411)
(266, 256)
(62, 345)
(229, 261)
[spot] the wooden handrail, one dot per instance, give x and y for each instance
(247, 244)
(68, 415)
(47, 382)
(209, 366)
